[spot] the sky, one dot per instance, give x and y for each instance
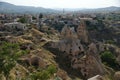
(66, 3)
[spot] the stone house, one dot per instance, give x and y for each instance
(15, 26)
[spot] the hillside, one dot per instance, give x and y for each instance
(34, 62)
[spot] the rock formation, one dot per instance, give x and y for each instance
(84, 58)
(82, 32)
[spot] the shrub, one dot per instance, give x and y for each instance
(110, 41)
(109, 59)
(51, 69)
(44, 74)
(8, 57)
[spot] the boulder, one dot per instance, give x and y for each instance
(34, 61)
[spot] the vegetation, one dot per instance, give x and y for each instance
(45, 30)
(44, 74)
(109, 59)
(110, 41)
(22, 20)
(34, 18)
(9, 53)
(95, 26)
(41, 15)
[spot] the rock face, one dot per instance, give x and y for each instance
(89, 64)
(84, 58)
(117, 76)
(82, 32)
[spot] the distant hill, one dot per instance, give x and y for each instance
(11, 8)
(106, 9)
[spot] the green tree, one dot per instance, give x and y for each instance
(109, 59)
(22, 20)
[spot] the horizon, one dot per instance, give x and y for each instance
(57, 4)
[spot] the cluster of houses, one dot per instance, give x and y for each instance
(56, 21)
(10, 22)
